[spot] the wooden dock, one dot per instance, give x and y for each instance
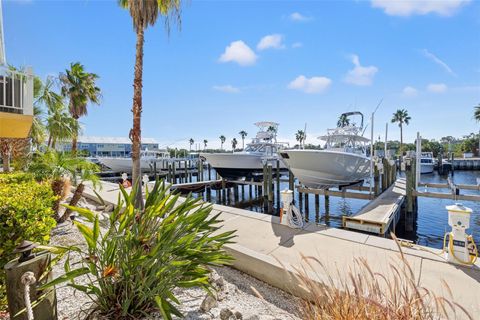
(380, 213)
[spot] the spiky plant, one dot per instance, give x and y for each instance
(135, 265)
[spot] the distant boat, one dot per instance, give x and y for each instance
(343, 161)
(249, 162)
(427, 162)
(147, 160)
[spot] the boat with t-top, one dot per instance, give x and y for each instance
(342, 162)
(149, 161)
(249, 162)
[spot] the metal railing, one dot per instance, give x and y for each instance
(16, 91)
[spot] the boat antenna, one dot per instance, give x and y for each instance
(376, 108)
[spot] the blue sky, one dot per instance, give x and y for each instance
(237, 62)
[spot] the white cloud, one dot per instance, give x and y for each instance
(437, 87)
(240, 53)
(310, 85)
(226, 88)
(297, 45)
(272, 41)
(360, 75)
(296, 16)
(407, 8)
(410, 91)
(435, 59)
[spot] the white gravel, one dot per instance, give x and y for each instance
(237, 296)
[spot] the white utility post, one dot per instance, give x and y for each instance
(417, 159)
(386, 139)
(371, 152)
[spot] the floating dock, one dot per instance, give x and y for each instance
(381, 212)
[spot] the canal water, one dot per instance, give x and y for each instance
(429, 228)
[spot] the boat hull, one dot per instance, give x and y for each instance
(323, 168)
(125, 164)
(426, 168)
(237, 165)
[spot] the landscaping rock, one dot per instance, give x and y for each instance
(109, 208)
(208, 303)
(238, 315)
(226, 314)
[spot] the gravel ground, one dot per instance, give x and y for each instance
(238, 293)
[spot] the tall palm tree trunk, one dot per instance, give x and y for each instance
(243, 143)
(49, 140)
(401, 138)
(135, 133)
(75, 138)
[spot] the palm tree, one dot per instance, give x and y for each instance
(222, 141)
(144, 13)
(80, 87)
(243, 134)
(60, 125)
(191, 141)
(205, 141)
(401, 117)
(343, 121)
(300, 137)
(234, 144)
(61, 168)
(476, 114)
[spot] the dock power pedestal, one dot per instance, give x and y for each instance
(289, 214)
(460, 247)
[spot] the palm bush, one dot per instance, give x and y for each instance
(62, 168)
(134, 266)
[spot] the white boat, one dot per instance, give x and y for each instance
(427, 162)
(343, 161)
(249, 162)
(147, 160)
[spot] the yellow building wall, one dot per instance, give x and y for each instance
(14, 125)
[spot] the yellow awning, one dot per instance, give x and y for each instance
(14, 125)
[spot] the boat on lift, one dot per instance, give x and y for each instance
(249, 162)
(149, 161)
(427, 162)
(342, 162)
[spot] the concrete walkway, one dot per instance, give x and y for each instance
(270, 251)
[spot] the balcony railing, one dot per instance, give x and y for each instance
(16, 91)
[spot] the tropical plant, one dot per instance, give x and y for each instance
(243, 134)
(11, 148)
(234, 144)
(191, 141)
(222, 141)
(60, 125)
(476, 113)
(205, 141)
(300, 137)
(401, 117)
(343, 121)
(135, 265)
(144, 13)
(60, 169)
(37, 131)
(25, 213)
(81, 89)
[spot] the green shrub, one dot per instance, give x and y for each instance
(25, 214)
(134, 266)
